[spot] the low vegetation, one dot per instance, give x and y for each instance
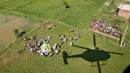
(78, 17)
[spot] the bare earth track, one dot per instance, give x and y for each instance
(7, 25)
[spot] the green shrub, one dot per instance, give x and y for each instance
(16, 32)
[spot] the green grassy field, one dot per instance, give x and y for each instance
(27, 62)
(79, 15)
(80, 12)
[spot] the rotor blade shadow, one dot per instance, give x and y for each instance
(94, 40)
(65, 56)
(82, 47)
(115, 53)
(75, 56)
(99, 68)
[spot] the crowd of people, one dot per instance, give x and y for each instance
(36, 46)
(102, 26)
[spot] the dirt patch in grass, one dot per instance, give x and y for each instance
(107, 3)
(6, 29)
(4, 61)
(5, 18)
(5, 58)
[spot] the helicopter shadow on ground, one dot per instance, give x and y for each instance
(127, 70)
(90, 55)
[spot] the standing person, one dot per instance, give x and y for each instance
(54, 47)
(63, 36)
(56, 51)
(47, 41)
(61, 43)
(75, 38)
(71, 39)
(71, 43)
(60, 38)
(65, 40)
(59, 35)
(58, 46)
(49, 37)
(55, 44)
(78, 36)
(49, 27)
(25, 44)
(71, 30)
(19, 51)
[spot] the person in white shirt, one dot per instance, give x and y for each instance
(71, 39)
(49, 37)
(65, 40)
(49, 27)
(71, 43)
(75, 38)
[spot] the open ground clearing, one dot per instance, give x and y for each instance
(9, 23)
(6, 30)
(76, 15)
(50, 12)
(80, 12)
(28, 62)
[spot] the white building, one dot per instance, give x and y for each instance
(124, 10)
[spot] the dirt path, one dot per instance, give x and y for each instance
(5, 18)
(6, 30)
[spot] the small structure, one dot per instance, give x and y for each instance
(104, 28)
(45, 49)
(107, 3)
(124, 10)
(71, 30)
(66, 4)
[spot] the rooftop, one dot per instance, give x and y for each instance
(124, 7)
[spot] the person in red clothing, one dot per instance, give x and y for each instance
(91, 25)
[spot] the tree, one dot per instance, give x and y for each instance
(16, 32)
(66, 4)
